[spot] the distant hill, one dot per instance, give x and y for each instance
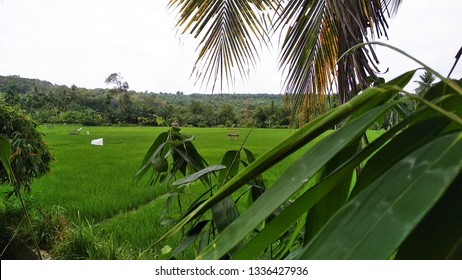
(17, 84)
(21, 85)
(50, 103)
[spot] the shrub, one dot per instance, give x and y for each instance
(86, 242)
(15, 237)
(31, 156)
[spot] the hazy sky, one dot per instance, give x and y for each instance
(81, 42)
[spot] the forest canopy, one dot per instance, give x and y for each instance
(49, 103)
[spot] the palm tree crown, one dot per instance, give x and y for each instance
(426, 81)
(314, 35)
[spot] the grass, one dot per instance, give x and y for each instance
(90, 181)
(94, 184)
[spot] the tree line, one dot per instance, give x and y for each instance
(53, 104)
(48, 103)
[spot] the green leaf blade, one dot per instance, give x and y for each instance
(191, 236)
(297, 140)
(5, 156)
(231, 161)
(197, 175)
(288, 184)
(439, 235)
(392, 206)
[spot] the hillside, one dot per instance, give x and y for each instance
(50, 103)
(20, 85)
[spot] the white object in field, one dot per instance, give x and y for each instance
(97, 142)
(88, 132)
(79, 129)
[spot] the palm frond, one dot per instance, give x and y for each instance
(230, 33)
(318, 32)
(309, 52)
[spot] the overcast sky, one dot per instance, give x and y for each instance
(81, 42)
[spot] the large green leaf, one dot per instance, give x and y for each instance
(231, 160)
(258, 184)
(439, 235)
(288, 146)
(440, 89)
(198, 175)
(404, 143)
(194, 154)
(290, 182)
(376, 222)
(187, 157)
(191, 236)
(293, 212)
(336, 198)
(288, 216)
(5, 156)
(225, 211)
(151, 154)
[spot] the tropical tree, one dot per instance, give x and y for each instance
(315, 34)
(124, 98)
(226, 115)
(117, 80)
(426, 81)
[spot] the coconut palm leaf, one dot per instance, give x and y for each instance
(307, 48)
(316, 32)
(229, 31)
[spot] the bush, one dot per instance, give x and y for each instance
(92, 118)
(15, 237)
(86, 242)
(31, 156)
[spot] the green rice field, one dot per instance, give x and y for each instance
(94, 184)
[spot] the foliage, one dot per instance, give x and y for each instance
(426, 81)
(117, 80)
(130, 212)
(317, 210)
(52, 104)
(5, 158)
(185, 159)
(87, 117)
(20, 85)
(24, 156)
(30, 156)
(85, 242)
(49, 228)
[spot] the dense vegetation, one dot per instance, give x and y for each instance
(49, 103)
(30, 156)
(90, 205)
(343, 196)
(111, 218)
(24, 156)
